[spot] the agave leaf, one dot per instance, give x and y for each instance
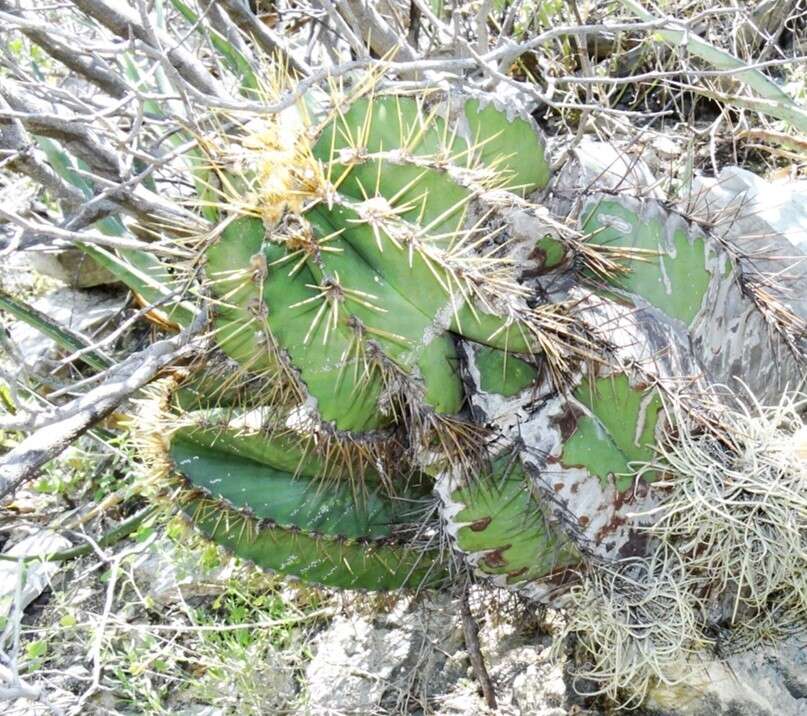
(236, 61)
(142, 272)
(779, 104)
(66, 167)
(147, 276)
(194, 158)
(61, 335)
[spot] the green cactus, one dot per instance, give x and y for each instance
(676, 279)
(615, 427)
(376, 347)
(333, 294)
(499, 524)
(273, 499)
(345, 392)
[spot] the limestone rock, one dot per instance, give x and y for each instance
(173, 574)
(37, 575)
(606, 167)
(72, 267)
(363, 664)
(414, 659)
(765, 682)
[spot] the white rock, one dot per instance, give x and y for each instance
(173, 574)
(80, 311)
(371, 664)
(37, 575)
(606, 167)
(765, 682)
(764, 219)
(353, 661)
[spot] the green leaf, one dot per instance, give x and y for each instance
(36, 649)
(67, 620)
(146, 275)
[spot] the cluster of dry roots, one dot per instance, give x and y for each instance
(634, 621)
(730, 556)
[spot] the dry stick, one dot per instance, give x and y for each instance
(96, 238)
(121, 19)
(269, 42)
(768, 97)
(98, 642)
(23, 462)
(28, 161)
(116, 534)
(18, 108)
(470, 630)
(74, 133)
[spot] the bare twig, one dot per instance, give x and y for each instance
(60, 427)
(471, 631)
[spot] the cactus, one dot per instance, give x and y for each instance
(338, 393)
(388, 375)
(384, 372)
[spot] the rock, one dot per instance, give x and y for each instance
(82, 311)
(362, 663)
(765, 682)
(765, 219)
(201, 710)
(605, 166)
(372, 654)
(71, 266)
(414, 659)
(528, 681)
(173, 574)
(666, 147)
(18, 277)
(540, 688)
(37, 574)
